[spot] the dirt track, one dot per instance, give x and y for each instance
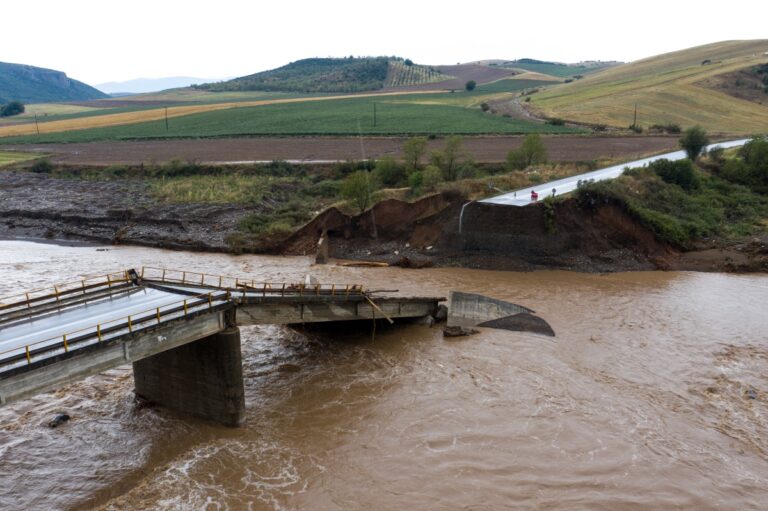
(483, 149)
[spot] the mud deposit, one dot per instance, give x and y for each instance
(652, 396)
(42, 207)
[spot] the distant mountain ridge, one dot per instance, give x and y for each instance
(30, 84)
(144, 85)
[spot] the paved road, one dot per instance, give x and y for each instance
(522, 197)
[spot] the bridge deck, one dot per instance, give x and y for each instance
(40, 327)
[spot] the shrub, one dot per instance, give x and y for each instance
(530, 153)
(389, 172)
(484, 106)
(636, 128)
(416, 181)
(413, 151)
(432, 176)
(667, 128)
(42, 166)
(12, 108)
(450, 158)
(680, 172)
(325, 188)
(556, 122)
(470, 85)
(693, 141)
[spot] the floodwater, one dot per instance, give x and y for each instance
(642, 401)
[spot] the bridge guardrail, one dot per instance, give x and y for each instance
(244, 286)
(28, 299)
(133, 323)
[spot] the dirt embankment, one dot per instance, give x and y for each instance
(566, 235)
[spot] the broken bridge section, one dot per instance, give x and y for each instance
(469, 309)
(179, 330)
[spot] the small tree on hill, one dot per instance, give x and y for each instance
(532, 152)
(450, 158)
(470, 85)
(358, 188)
(12, 108)
(413, 151)
(693, 141)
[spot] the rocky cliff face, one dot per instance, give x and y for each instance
(30, 84)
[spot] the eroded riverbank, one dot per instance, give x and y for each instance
(427, 232)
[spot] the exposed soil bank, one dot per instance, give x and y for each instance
(565, 236)
(483, 149)
(423, 233)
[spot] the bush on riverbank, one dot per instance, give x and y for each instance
(716, 208)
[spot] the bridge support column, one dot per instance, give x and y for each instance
(203, 378)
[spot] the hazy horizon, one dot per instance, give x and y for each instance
(159, 40)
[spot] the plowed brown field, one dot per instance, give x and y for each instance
(313, 149)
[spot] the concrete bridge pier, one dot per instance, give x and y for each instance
(203, 378)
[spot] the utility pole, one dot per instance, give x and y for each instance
(634, 122)
(374, 114)
(37, 127)
(166, 118)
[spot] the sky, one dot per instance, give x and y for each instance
(101, 41)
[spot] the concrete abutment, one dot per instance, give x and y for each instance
(202, 378)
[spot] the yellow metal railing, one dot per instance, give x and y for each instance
(132, 322)
(244, 285)
(57, 292)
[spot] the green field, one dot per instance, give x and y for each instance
(509, 85)
(7, 158)
(395, 115)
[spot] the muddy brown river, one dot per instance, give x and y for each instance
(644, 400)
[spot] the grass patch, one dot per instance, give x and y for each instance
(11, 157)
(228, 189)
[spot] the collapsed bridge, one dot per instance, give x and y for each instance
(179, 330)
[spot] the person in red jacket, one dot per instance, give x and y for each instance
(534, 195)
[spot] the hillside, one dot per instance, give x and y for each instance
(666, 88)
(331, 75)
(313, 75)
(556, 68)
(30, 84)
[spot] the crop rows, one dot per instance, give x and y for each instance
(401, 74)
